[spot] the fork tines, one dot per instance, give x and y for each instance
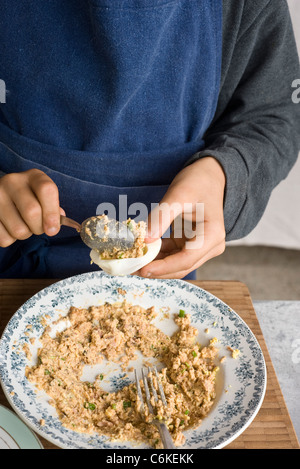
(147, 379)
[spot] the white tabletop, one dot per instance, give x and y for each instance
(280, 324)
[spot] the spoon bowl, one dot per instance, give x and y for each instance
(102, 233)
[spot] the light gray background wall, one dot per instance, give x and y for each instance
(280, 224)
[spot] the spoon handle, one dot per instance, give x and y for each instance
(69, 222)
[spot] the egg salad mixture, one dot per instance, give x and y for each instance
(116, 332)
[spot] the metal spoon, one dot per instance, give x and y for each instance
(98, 233)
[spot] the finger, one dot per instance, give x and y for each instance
(174, 275)
(216, 251)
(186, 259)
(169, 245)
(46, 192)
(12, 220)
(29, 208)
(5, 238)
(160, 255)
(180, 261)
(162, 216)
(178, 275)
(210, 240)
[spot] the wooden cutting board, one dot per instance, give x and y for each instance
(272, 427)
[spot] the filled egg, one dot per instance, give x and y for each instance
(127, 265)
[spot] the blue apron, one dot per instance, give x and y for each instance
(108, 98)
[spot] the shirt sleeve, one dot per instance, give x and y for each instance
(255, 131)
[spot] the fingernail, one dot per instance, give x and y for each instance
(52, 230)
(149, 274)
(152, 234)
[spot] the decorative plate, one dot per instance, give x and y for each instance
(14, 434)
(241, 382)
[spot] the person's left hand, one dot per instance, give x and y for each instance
(203, 182)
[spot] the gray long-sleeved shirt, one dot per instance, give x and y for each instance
(255, 134)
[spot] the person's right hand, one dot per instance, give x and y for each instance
(29, 204)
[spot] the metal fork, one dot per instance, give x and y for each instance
(162, 428)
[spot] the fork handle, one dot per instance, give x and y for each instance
(165, 436)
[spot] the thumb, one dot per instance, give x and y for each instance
(162, 216)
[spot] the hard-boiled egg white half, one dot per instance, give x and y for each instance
(128, 265)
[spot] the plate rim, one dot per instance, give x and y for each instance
(32, 433)
(91, 275)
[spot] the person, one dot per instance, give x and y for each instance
(182, 101)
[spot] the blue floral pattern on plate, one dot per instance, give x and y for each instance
(241, 382)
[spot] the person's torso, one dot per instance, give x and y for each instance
(110, 75)
(109, 98)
